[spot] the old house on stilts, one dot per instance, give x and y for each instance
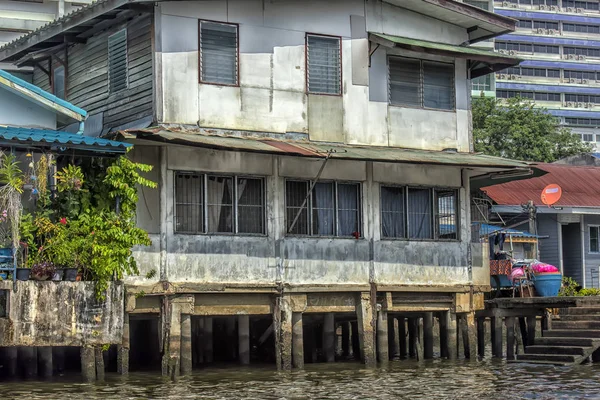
(313, 160)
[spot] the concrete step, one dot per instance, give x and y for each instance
(566, 341)
(566, 333)
(558, 358)
(585, 324)
(578, 317)
(580, 311)
(539, 362)
(570, 350)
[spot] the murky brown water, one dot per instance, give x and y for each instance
(488, 379)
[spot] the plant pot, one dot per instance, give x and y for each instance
(23, 274)
(71, 274)
(58, 274)
(3, 275)
(39, 277)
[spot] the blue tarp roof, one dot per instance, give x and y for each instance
(11, 136)
(43, 93)
(486, 229)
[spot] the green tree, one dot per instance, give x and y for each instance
(515, 129)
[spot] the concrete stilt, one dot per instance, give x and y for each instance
(208, 339)
(232, 337)
(366, 334)
(45, 367)
(412, 337)
(393, 341)
(510, 338)
(481, 337)
(285, 342)
(419, 342)
(123, 348)
(186, 345)
(329, 337)
(244, 339)
(28, 361)
(383, 352)
(11, 361)
(88, 363)
(402, 336)
(346, 339)
(443, 325)
(298, 340)
(428, 336)
(99, 363)
(355, 341)
(497, 337)
(198, 345)
(472, 331)
(451, 334)
(171, 328)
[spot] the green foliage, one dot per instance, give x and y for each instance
(570, 287)
(151, 274)
(514, 129)
(10, 172)
(10, 194)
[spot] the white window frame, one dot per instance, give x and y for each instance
(597, 227)
(307, 66)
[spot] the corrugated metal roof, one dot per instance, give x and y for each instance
(31, 90)
(487, 229)
(313, 149)
(12, 136)
(580, 187)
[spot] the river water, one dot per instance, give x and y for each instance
(440, 379)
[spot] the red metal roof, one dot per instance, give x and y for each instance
(580, 187)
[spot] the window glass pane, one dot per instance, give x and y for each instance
(419, 214)
(323, 209)
(218, 53)
(251, 205)
(189, 204)
(405, 81)
(295, 193)
(392, 212)
(348, 209)
(594, 239)
(117, 61)
(58, 82)
(438, 85)
(446, 218)
(324, 70)
(220, 204)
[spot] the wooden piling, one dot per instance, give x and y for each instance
(497, 337)
(523, 330)
(531, 321)
(383, 354)
(329, 337)
(402, 336)
(298, 340)
(443, 326)
(428, 336)
(419, 342)
(186, 345)
(393, 342)
(412, 337)
(481, 337)
(510, 338)
(244, 339)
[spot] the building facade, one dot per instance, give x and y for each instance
(313, 161)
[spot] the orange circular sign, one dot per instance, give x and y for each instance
(551, 194)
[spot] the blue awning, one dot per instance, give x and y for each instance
(57, 140)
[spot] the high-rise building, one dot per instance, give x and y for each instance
(560, 43)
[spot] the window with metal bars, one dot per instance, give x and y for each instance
(219, 62)
(117, 61)
(421, 83)
(324, 69)
(482, 83)
(58, 82)
(332, 209)
(419, 213)
(207, 203)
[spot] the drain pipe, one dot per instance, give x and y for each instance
(81, 127)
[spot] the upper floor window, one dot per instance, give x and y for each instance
(589, 75)
(58, 82)
(219, 62)
(421, 83)
(331, 209)
(219, 204)
(117, 61)
(594, 239)
(324, 64)
(595, 122)
(581, 28)
(586, 5)
(482, 83)
(483, 4)
(419, 213)
(582, 51)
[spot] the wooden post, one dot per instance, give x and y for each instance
(402, 336)
(346, 339)
(298, 340)
(428, 336)
(329, 337)
(531, 321)
(547, 321)
(366, 334)
(244, 339)
(420, 352)
(510, 338)
(393, 337)
(412, 337)
(383, 354)
(123, 348)
(88, 363)
(443, 325)
(481, 337)
(497, 337)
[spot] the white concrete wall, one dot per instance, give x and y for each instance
(18, 111)
(272, 94)
(305, 261)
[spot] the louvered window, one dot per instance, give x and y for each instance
(324, 66)
(418, 83)
(117, 61)
(58, 82)
(218, 53)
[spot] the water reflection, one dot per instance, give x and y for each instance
(489, 379)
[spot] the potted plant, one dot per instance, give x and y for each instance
(43, 271)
